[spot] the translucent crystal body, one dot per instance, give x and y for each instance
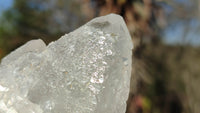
(85, 71)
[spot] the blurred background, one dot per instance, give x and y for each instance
(165, 33)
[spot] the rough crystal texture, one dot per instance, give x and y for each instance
(85, 71)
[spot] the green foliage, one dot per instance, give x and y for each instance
(29, 19)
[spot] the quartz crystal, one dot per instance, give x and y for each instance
(85, 71)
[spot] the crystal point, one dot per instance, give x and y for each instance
(85, 71)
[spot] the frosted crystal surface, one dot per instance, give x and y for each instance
(85, 71)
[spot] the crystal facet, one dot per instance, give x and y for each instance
(85, 71)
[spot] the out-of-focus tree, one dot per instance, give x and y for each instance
(184, 16)
(45, 19)
(23, 22)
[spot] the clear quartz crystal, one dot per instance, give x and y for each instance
(85, 71)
